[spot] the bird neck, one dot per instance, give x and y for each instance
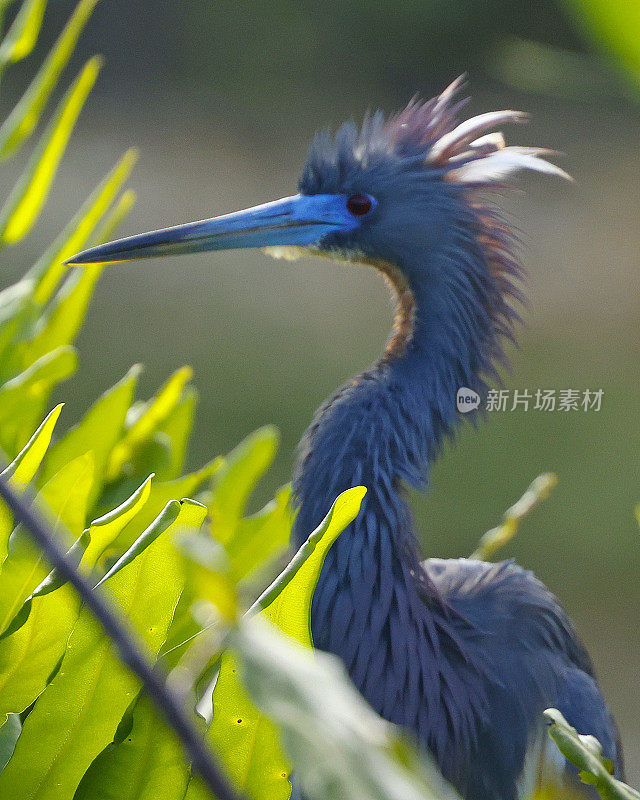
(383, 428)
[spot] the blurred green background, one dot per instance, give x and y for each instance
(222, 98)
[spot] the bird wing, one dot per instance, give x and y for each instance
(537, 662)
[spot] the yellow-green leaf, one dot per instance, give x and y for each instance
(147, 420)
(585, 752)
(23, 468)
(177, 428)
(64, 499)
(247, 742)
(93, 688)
(615, 25)
(49, 270)
(98, 431)
(29, 655)
(115, 217)
(36, 381)
(237, 477)
(161, 494)
(261, 537)
(287, 602)
(22, 121)
(148, 764)
(39, 381)
(30, 193)
(23, 33)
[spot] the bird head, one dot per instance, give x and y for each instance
(393, 193)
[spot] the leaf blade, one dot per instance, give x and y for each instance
(23, 206)
(22, 121)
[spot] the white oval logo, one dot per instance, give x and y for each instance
(467, 400)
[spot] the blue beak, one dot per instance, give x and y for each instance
(301, 220)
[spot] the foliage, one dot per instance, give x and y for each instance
(585, 752)
(73, 721)
(498, 537)
(616, 26)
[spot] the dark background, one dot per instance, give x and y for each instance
(222, 98)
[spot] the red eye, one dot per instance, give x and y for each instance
(359, 204)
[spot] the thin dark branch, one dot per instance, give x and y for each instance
(153, 680)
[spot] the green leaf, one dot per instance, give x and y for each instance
(287, 602)
(615, 25)
(147, 419)
(106, 529)
(49, 270)
(493, 540)
(585, 752)
(261, 537)
(70, 304)
(340, 746)
(23, 33)
(65, 496)
(9, 733)
(248, 742)
(161, 494)
(78, 714)
(98, 432)
(67, 315)
(24, 118)
(148, 765)
(23, 469)
(29, 656)
(23, 397)
(177, 428)
(235, 480)
(30, 193)
(16, 311)
(37, 379)
(163, 521)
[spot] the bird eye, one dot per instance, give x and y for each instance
(359, 204)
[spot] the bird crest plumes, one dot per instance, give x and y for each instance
(469, 151)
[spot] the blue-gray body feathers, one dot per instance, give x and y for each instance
(465, 654)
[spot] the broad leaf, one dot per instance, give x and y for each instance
(341, 747)
(148, 764)
(263, 536)
(146, 419)
(247, 741)
(177, 428)
(9, 732)
(36, 380)
(29, 656)
(78, 714)
(236, 479)
(161, 494)
(98, 431)
(49, 270)
(66, 496)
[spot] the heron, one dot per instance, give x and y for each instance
(464, 654)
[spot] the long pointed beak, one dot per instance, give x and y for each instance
(301, 220)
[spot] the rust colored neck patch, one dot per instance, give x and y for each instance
(403, 323)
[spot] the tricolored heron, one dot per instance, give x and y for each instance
(465, 654)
